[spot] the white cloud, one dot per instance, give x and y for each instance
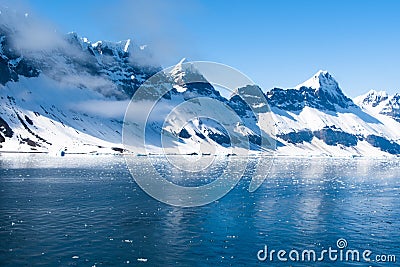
(97, 83)
(30, 34)
(102, 108)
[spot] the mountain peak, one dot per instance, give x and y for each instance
(372, 98)
(320, 91)
(183, 60)
(119, 49)
(320, 79)
(188, 79)
(377, 93)
(184, 72)
(380, 102)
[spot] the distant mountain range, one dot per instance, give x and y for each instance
(72, 97)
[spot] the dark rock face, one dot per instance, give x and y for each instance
(290, 100)
(297, 99)
(222, 139)
(239, 106)
(28, 120)
(392, 108)
(118, 149)
(374, 99)
(200, 135)
(5, 73)
(184, 134)
(12, 63)
(5, 128)
(383, 144)
(332, 136)
(297, 137)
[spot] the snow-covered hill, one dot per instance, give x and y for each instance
(380, 103)
(72, 95)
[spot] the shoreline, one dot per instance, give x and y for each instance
(276, 156)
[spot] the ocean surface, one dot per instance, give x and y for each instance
(88, 211)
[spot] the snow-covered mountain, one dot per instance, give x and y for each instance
(321, 92)
(317, 118)
(72, 96)
(380, 103)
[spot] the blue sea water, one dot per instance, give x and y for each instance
(88, 211)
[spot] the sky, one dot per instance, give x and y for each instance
(275, 43)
